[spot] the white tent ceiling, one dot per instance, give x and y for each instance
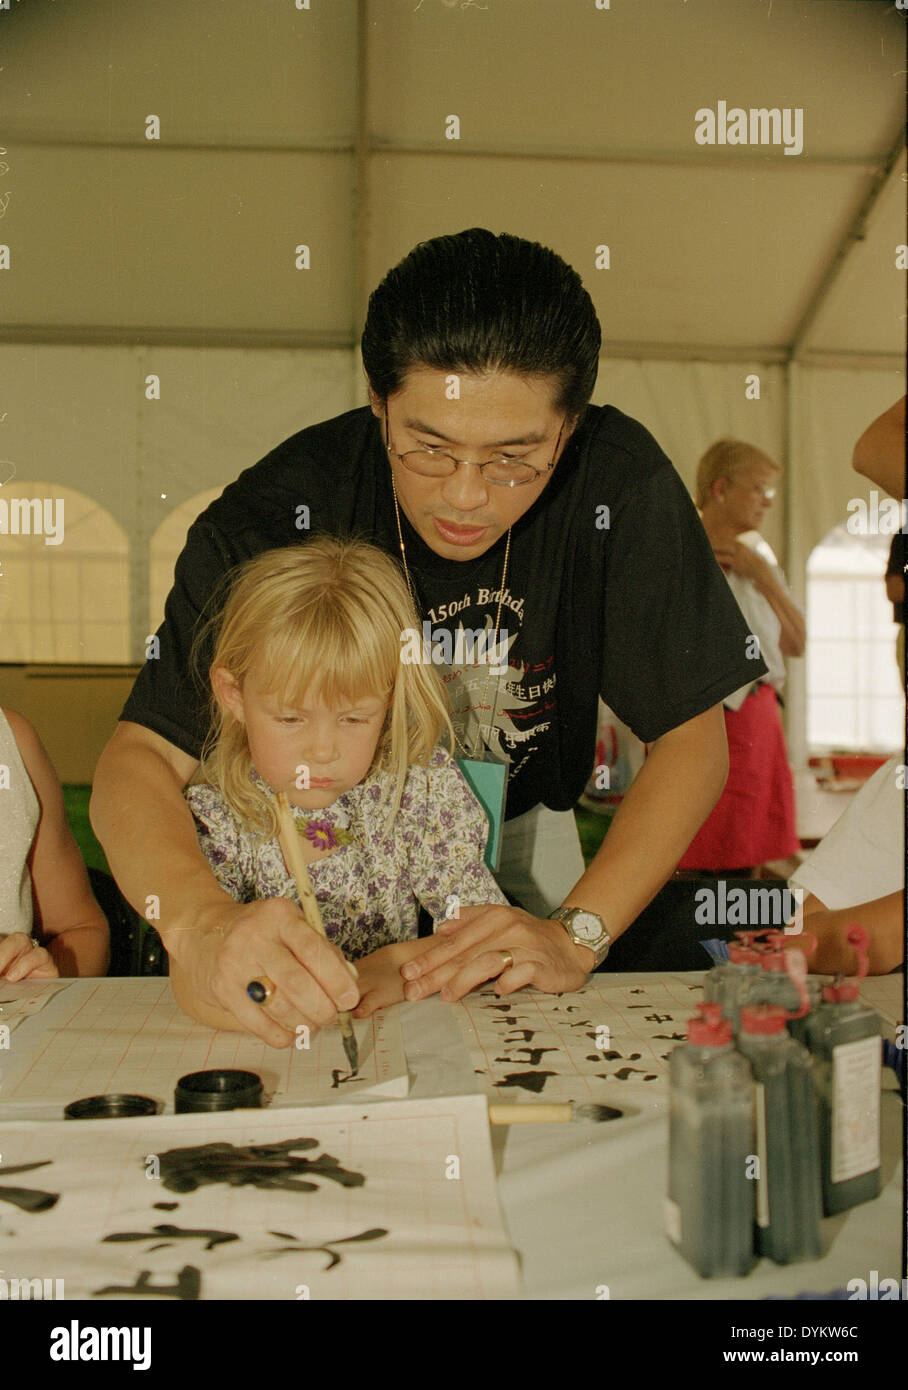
(326, 126)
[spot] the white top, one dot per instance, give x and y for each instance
(863, 856)
(19, 815)
(763, 622)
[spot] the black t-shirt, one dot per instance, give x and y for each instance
(896, 565)
(612, 589)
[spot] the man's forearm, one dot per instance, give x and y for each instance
(146, 828)
(668, 801)
(885, 927)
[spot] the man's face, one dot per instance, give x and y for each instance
(463, 515)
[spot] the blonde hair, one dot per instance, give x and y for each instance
(323, 618)
(726, 459)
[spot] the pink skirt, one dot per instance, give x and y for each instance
(754, 819)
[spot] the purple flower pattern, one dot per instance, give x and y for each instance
(369, 888)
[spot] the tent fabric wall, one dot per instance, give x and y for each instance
(85, 422)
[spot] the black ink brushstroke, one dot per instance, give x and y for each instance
(29, 1199)
(375, 1233)
(264, 1166)
(534, 1055)
(212, 1238)
(528, 1034)
(166, 1206)
(529, 1080)
(623, 1073)
(340, 1077)
(188, 1286)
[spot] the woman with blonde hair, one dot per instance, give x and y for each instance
(753, 821)
(313, 696)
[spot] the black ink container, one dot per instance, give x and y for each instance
(202, 1092)
(788, 1198)
(110, 1107)
(710, 1207)
(844, 1037)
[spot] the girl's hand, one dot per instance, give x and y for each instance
(380, 977)
(21, 960)
(467, 952)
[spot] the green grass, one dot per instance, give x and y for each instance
(591, 828)
(75, 799)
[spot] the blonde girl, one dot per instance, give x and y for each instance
(310, 696)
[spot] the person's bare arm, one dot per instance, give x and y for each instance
(66, 914)
(744, 561)
(880, 452)
(884, 922)
(216, 946)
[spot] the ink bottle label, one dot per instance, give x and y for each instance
(856, 1108)
(761, 1214)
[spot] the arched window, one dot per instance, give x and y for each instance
(855, 699)
(166, 544)
(64, 577)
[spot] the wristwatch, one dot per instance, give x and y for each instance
(586, 929)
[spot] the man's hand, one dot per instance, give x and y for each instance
(266, 939)
(20, 960)
(467, 952)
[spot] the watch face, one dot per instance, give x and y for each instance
(586, 926)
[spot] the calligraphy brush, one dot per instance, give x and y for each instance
(293, 858)
(570, 1112)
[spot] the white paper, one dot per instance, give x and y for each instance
(429, 1192)
(20, 1000)
(128, 1036)
(606, 1044)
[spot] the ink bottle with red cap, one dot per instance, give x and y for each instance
(709, 1212)
(788, 1195)
(844, 1037)
(725, 984)
(776, 983)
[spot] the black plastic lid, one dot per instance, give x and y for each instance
(110, 1107)
(218, 1090)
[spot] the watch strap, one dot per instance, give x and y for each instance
(565, 915)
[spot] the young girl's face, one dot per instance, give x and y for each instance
(331, 749)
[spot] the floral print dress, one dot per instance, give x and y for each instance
(369, 889)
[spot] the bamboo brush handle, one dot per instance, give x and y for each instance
(293, 857)
(530, 1114)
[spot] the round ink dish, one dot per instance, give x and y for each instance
(110, 1107)
(202, 1091)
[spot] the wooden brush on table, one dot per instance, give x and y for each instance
(296, 864)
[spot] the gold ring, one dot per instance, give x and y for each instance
(508, 960)
(261, 990)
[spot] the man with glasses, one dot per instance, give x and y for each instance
(514, 508)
